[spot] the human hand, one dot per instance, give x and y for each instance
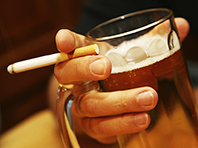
(101, 115)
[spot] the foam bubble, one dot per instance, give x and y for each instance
(135, 55)
(116, 59)
(157, 46)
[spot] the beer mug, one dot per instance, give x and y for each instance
(145, 50)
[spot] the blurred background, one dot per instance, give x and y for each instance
(27, 29)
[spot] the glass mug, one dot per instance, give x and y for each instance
(145, 50)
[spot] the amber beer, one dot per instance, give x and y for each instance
(174, 121)
(144, 50)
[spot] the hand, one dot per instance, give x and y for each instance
(101, 115)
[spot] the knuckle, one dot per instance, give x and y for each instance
(59, 73)
(102, 129)
(56, 71)
(75, 71)
(78, 108)
(125, 103)
(90, 108)
(86, 126)
(86, 106)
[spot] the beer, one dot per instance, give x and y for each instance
(174, 121)
(144, 50)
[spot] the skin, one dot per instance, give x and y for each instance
(102, 116)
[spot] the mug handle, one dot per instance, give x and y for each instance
(68, 136)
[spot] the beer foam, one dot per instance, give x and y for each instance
(142, 51)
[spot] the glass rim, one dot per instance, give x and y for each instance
(170, 13)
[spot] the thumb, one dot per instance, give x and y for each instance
(182, 27)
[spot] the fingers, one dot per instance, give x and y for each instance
(101, 128)
(79, 69)
(98, 104)
(84, 68)
(103, 115)
(182, 27)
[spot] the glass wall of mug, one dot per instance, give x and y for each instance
(145, 50)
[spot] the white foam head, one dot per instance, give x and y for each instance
(142, 51)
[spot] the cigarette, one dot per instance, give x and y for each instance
(51, 59)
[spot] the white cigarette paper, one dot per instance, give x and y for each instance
(51, 59)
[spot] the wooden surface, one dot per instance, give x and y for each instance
(27, 29)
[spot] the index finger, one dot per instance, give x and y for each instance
(67, 40)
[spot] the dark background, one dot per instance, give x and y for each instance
(27, 29)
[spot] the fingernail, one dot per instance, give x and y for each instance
(140, 119)
(98, 67)
(145, 99)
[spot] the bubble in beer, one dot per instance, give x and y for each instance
(135, 55)
(116, 59)
(157, 47)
